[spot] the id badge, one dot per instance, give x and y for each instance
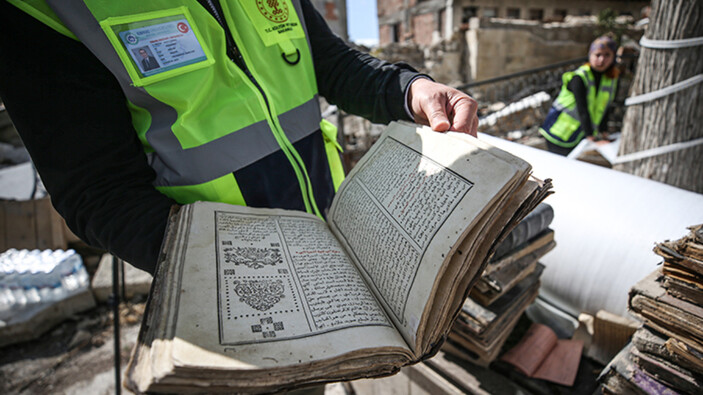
(157, 45)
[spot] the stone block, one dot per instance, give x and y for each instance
(37, 319)
(137, 282)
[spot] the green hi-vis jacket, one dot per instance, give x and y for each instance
(563, 126)
(206, 104)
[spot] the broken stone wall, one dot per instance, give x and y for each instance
(503, 46)
(444, 60)
(424, 28)
(409, 20)
(550, 10)
(493, 47)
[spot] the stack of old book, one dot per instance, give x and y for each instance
(508, 285)
(666, 353)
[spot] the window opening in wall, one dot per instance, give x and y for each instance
(490, 12)
(536, 14)
(513, 13)
(395, 32)
(468, 13)
(561, 14)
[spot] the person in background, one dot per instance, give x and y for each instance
(580, 110)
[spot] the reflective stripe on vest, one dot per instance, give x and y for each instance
(234, 151)
(329, 132)
(566, 131)
(211, 109)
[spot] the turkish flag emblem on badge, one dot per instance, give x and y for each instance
(182, 27)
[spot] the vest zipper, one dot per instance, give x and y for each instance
(213, 6)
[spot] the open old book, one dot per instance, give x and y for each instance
(264, 300)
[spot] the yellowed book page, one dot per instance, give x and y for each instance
(266, 288)
(404, 208)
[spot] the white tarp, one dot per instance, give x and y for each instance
(606, 223)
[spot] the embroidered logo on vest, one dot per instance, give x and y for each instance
(273, 10)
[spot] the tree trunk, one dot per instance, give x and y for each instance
(677, 117)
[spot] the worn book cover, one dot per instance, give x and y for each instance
(623, 376)
(501, 276)
(686, 252)
(650, 301)
(480, 332)
(655, 346)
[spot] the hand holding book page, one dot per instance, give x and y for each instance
(262, 300)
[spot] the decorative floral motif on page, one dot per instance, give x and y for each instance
(253, 257)
(259, 294)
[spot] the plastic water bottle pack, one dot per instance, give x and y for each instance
(31, 277)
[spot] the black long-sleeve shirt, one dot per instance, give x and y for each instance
(73, 119)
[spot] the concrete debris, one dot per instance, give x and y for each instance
(516, 116)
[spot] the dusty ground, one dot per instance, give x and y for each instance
(76, 357)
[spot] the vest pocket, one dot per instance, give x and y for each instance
(158, 45)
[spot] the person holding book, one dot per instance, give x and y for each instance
(581, 108)
(231, 116)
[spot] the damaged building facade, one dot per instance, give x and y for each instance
(474, 40)
(424, 22)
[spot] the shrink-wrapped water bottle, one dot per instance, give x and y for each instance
(81, 273)
(71, 269)
(30, 277)
(49, 281)
(13, 290)
(7, 300)
(56, 289)
(12, 281)
(28, 281)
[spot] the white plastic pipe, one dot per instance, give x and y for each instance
(606, 223)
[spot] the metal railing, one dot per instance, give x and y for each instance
(510, 87)
(529, 72)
